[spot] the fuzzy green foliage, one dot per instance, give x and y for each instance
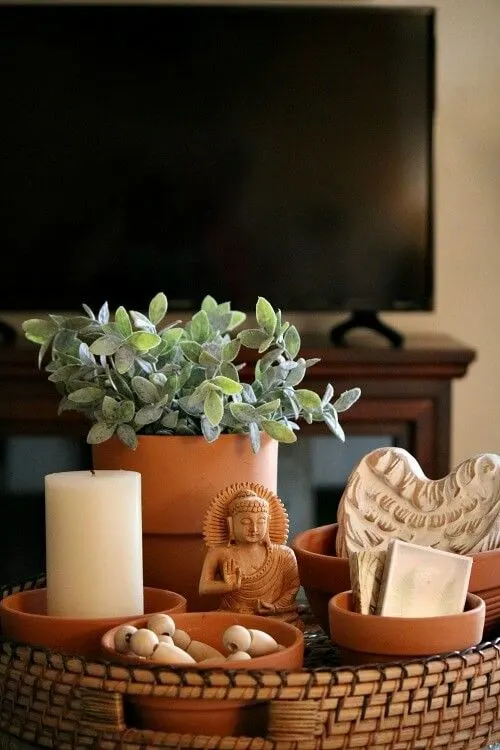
(133, 373)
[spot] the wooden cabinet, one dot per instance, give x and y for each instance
(406, 392)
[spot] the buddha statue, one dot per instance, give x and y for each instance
(248, 562)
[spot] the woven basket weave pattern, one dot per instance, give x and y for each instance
(448, 702)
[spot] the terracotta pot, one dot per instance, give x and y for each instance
(23, 619)
(365, 639)
(322, 574)
(205, 716)
(180, 477)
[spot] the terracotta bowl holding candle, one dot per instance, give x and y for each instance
(24, 619)
(228, 717)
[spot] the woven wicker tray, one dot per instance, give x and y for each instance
(453, 701)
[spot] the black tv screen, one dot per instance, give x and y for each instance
(282, 151)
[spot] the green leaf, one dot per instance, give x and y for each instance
(86, 395)
(269, 407)
(307, 399)
(229, 371)
(230, 350)
(209, 431)
(209, 304)
(292, 341)
(213, 406)
(244, 413)
(266, 317)
(252, 338)
(100, 432)
(279, 431)
(141, 321)
(125, 411)
(170, 420)
(254, 431)
(143, 341)
(38, 331)
(109, 409)
(171, 336)
(236, 319)
(148, 414)
(147, 392)
(200, 327)
(122, 320)
(207, 359)
(124, 359)
(296, 375)
(158, 308)
(266, 344)
(103, 314)
(192, 350)
(86, 356)
(105, 346)
(227, 386)
(347, 399)
(63, 373)
(332, 422)
(328, 395)
(127, 435)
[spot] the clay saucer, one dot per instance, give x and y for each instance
(24, 619)
(370, 639)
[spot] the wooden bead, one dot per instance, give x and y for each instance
(197, 649)
(161, 624)
(236, 638)
(166, 653)
(121, 639)
(166, 639)
(261, 643)
(239, 656)
(143, 642)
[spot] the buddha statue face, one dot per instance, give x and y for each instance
(248, 519)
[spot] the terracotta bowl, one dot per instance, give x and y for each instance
(23, 619)
(322, 574)
(205, 716)
(365, 639)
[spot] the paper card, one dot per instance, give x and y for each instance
(422, 581)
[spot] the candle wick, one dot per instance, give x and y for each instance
(92, 472)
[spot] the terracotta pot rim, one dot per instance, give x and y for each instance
(6, 605)
(186, 438)
(476, 604)
(298, 541)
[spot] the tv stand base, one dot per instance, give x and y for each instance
(365, 319)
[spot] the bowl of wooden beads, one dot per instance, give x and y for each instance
(206, 640)
(196, 642)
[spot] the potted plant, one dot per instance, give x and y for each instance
(140, 378)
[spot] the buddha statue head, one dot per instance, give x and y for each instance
(245, 513)
(248, 518)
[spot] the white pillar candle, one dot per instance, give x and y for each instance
(93, 532)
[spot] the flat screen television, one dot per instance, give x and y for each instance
(275, 150)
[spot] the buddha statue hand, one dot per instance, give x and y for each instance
(231, 574)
